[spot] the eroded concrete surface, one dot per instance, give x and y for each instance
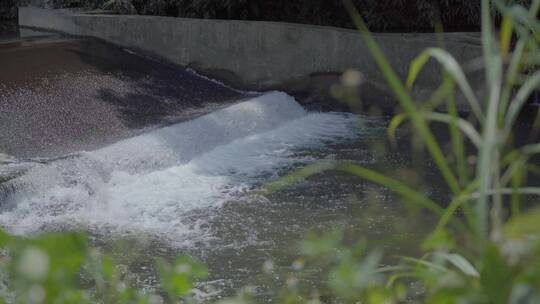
(62, 94)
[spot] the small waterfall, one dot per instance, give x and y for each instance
(155, 182)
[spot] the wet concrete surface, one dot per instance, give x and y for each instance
(61, 94)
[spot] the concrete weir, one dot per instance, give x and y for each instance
(264, 55)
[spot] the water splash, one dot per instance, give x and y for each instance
(163, 183)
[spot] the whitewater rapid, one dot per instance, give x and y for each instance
(153, 183)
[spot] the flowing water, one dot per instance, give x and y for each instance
(177, 170)
(191, 186)
(151, 181)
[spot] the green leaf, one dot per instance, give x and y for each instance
(466, 127)
(531, 149)
(506, 35)
(416, 66)
(426, 264)
(453, 69)
(394, 124)
(495, 276)
(412, 196)
(459, 262)
(457, 141)
(532, 84)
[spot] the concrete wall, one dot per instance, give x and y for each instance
(258, 55)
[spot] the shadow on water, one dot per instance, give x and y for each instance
(158, 90)
(136, 109)
(63, 94)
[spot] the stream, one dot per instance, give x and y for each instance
(155, 160)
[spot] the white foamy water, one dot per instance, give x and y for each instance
(154, 183)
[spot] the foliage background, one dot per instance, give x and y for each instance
(379, 15)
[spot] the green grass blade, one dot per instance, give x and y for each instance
(466, 127)
(370, 175)
(517, 103)
(299, 175)
(511, 76)
(453, 69)
(424, 263)
(518, 176)
(456, 203)
(506, 35)
(394, 124)
(393, 278)
(458, 147)
(409, 194)
(493, 71)
(416, 66)
(438, 96)
(516, 165)
(531, 149)
(459, 262)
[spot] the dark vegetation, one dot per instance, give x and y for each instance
(380, 15)
(8, 9)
